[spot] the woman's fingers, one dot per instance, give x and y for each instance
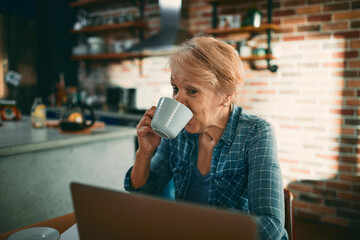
(150, 112)
(144, 130)
(146, 120)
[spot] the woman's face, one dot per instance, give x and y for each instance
(206, 105)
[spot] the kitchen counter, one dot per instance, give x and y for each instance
(113, 118)
(19, 137)
(38, 165)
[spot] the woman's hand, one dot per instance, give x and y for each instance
(148, 140)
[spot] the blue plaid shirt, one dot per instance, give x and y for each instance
(245, 174)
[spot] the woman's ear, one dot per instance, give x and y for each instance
(230, 97)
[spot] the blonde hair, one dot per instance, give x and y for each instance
(212, 62)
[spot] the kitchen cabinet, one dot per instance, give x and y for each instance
(253, 31)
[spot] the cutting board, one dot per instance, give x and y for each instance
(55, 124)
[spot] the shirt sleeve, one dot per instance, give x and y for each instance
(265, 188)
(160, 173)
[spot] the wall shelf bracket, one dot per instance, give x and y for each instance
(272, 67)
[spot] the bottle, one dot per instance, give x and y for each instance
(61, 97)
(38, 114)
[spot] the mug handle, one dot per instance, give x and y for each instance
(92, 115)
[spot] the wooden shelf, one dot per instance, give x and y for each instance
(120, 56)
(130, 55)
(257, 58)
(106, 56)
(247, 29)
(108, 27)
(89, 3)
(224, 2)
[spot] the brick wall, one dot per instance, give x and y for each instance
(312, 100)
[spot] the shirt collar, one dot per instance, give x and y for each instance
(230, 129)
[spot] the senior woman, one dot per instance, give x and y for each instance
(224, 157)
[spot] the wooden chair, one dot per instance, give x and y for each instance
(289, 214)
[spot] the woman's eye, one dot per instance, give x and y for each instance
(192, 91)
(175, 89)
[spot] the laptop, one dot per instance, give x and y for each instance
(109, 214)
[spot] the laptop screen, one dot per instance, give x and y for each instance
(110, 214)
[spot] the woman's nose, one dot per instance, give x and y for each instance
(180, 97)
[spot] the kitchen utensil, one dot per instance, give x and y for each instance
(96, 45)
(73, 117)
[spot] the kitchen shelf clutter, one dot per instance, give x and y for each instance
(102, 31)
(252, 25)
(138, 24)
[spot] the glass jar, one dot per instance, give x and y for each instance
(38, 114)
(9, 110)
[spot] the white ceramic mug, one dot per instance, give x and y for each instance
(170, 118)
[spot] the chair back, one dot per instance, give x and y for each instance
(289, 214)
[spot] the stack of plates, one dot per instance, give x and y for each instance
(36, 233)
